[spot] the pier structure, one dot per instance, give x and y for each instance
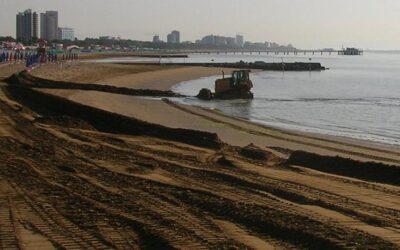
(348, 51)
(294, 66)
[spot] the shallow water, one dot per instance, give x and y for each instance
(358, 97)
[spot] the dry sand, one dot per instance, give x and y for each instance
(76, 188)
(7, 69)
(126, 75)
(91, 72)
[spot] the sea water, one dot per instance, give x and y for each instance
(357, 97)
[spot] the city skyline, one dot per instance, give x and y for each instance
(49, 25)
(315, 25)
(27, 27)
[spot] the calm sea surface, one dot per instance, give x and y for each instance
(358, 97)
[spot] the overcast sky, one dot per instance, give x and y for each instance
(371, 24)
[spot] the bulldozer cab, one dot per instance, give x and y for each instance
(239, 76)
(234, 87)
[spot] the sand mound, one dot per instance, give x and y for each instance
(370, 171)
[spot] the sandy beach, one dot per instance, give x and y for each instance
(125, 75)
(71, 182)
(233, 131)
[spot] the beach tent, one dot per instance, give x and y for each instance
(72, 47)
(8, 45)
(19, 46)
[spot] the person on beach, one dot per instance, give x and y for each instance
(2, 57)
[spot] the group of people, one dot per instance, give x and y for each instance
(31, 59)
(49, 57)
(13, 56)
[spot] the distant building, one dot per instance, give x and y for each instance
(66, 34)
(170, 38)
(257, 45)
(177, 35)
(27, 25)
(113, 38)
(273, 45)
(239, 40)
(156, 39)
(218, 41)
(352, 52)
(209, 40)
(174, 37)
(106, 38)
(231, 41)
(49, 25)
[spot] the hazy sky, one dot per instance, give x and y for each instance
(304, 23)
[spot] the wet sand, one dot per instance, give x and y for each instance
(231, 130)
(67, 185)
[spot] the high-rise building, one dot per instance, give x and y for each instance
(20, 26)
(174, 37)
(209, 40)
(221, 41)
(66, 34)
(35, 25)
(49, 25)
(177, 35)
(27, 26)
(170, 38)
(239, 40)
(156, 39)
(231, 41)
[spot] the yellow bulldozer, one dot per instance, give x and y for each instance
(237, 86)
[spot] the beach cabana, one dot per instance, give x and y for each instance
(72, 48)
(19, 47)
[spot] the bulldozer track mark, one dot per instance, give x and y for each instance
(8, 234)
(54, 226)
(304, 190)
(83, 189)
(167, 215)
(364, 184)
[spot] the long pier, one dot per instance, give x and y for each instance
(268, 52)
(295, 66)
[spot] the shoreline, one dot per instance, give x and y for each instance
(165, 78)
(370, 144)
(89, 169)
(323, 136)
